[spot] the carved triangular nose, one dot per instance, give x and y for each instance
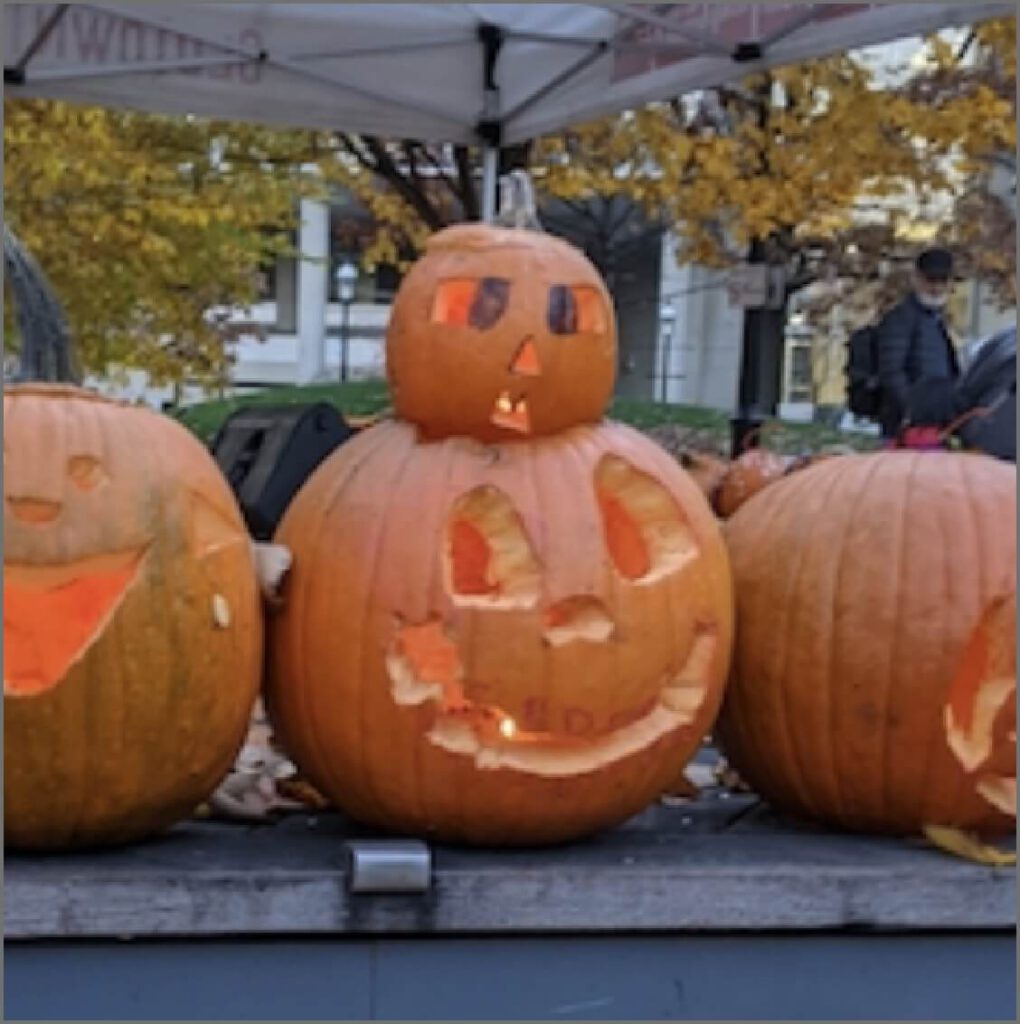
(526, 363)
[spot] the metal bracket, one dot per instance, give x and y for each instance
(388, 865)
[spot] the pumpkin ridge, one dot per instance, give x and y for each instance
(861, 489)
(891, 680)
(376, 545)
(780, 661)
(937, 737)
(351, 456)
(759, 741)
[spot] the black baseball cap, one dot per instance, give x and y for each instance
(936, 264)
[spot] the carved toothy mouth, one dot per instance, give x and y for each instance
(511, 413)
(54, 613)
(425, 667)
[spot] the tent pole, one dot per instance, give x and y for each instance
(490, 173)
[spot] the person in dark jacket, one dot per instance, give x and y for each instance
(913, 341)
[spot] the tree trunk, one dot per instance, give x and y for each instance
(761, 363)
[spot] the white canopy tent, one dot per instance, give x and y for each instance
(486, 74)
(483, 74)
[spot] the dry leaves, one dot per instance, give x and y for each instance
(968, 846)
(263, 782)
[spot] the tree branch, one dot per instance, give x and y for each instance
(390, 173)
(453, 186)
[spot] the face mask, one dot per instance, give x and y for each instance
(932, 301)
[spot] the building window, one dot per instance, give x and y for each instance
(350, 233)
(800, 386)
(278, 284)
(378, 286)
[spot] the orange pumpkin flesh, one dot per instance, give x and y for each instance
(980, 714)
(860, 583)
(132, 626)
(500, 334)
(51, 613)
(506, 643)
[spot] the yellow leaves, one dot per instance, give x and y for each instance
(140, 229)
(941, 52)
(802, 148)
(968, 847)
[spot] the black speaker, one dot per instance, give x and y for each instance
(268, 452)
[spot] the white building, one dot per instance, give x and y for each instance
(680, 333)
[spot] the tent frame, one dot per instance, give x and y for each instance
(490, 129)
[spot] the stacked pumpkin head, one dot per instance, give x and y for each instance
(507, 621)
(874, 676)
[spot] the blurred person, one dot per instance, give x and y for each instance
(913, 342)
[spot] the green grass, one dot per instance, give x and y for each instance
(645, 414)
(356, 398)
(362, 398)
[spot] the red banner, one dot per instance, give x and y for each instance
(675, 32)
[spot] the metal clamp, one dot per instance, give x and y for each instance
(388, 865)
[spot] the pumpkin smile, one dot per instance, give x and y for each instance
(53, 613)
(426, 669)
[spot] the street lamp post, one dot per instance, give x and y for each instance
(346, 279)
(667, 324)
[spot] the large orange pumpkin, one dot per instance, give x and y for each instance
(500, 333)
(509, 643)
(874, 664)
(132, 629)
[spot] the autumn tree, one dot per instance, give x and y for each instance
(149, 227)
(821, 169)
(968, 92)
(152, 229)
(832, 170)
(145, 224)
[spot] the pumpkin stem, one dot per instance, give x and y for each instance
(517, 208)
(45, 342)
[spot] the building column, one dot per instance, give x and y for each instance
(312, 294)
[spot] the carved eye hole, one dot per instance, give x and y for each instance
(465, 302)
(575, 310)
(85, 471)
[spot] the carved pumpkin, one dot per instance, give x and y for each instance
(875, 656)
(980, 715)
(510, 643)
(500, 333)
(132, 630)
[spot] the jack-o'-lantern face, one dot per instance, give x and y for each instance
(500, 334)
(981, 714)
(545, 631)
(129, 602)
(88, 516)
